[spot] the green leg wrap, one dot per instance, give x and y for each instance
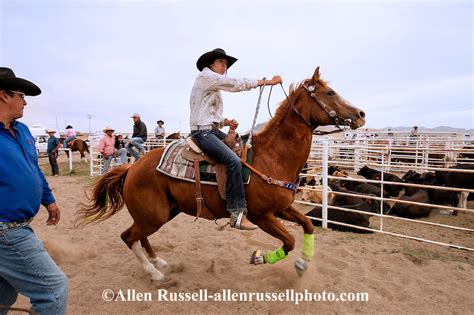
(308, 247)
(275, 256)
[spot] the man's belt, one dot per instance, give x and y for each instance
(11, 225)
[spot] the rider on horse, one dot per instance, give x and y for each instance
(207, 118)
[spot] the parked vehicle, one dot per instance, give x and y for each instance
(41, 143)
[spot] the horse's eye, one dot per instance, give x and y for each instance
(331, 93)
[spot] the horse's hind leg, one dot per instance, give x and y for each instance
(131, 237)
(83, 156)
(155, 260)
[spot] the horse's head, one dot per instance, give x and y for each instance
(326, 107)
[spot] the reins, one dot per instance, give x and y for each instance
(269, 180)
(257, 109)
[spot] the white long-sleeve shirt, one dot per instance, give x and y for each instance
(206, 97)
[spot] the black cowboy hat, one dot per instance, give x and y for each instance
(209, 57)
(8, 81)
(160, 121)
(68, 127)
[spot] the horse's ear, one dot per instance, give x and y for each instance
(316, 75)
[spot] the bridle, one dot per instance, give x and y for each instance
(338, 120)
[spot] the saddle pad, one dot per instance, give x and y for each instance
(174, 165)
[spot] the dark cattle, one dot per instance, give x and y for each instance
(436, 196)
(342, 200)
(414, 177)
(393, 190)
(456, 179)
(353, 218)
(364, 188)
(412, 211)
(467, 155)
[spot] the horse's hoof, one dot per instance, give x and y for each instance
(257, 258)
(165, 282)
(301, 265)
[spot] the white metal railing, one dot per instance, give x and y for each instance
(97, 162)
(320, 155)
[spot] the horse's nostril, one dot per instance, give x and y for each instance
(361, 114)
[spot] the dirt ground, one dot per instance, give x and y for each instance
(398, 275)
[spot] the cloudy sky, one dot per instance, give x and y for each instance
(402, 62)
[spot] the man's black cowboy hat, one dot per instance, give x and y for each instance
(209, 57)
(8, 81)
(160, 121)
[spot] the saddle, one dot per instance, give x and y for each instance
(71, 142)
(193, 153)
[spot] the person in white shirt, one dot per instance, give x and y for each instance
(207, 118)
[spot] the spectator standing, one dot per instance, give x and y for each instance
(53, 146)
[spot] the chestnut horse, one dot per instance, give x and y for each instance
(76, 145)
(280, 151)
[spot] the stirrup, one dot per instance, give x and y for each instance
(238, 220)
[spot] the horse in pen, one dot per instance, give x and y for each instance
(279, 153)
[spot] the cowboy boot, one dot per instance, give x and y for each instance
(239, 221)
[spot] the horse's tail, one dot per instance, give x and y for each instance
(106, 199)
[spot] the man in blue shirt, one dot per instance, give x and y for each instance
(25, 266)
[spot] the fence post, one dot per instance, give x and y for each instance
(426, 154)
(325, 183)
(70, 160)
(91, 155)
(381, 194)
(357, 156)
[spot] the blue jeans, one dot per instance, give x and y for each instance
(26, 268)
(135, 142)
(210, 142)
(67, 140)
(123, 159)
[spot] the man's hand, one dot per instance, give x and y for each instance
(276, 79)
(232, 123)
(54, 214)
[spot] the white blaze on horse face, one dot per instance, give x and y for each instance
(147, 266)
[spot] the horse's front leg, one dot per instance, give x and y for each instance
(291, 214)
(270, 224)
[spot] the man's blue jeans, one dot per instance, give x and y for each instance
(210, 142)
(135, 142)
(26, 268)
